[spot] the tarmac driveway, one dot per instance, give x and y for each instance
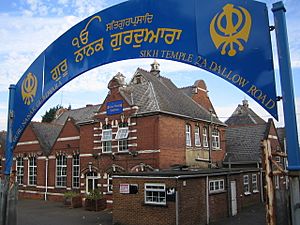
(36, 212)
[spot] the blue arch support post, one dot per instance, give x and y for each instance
(288, 108)
(5, 215)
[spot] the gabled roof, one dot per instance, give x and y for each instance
(244, 115)
(243, 144)
(46, 134)
(79, 115)
(159, 94)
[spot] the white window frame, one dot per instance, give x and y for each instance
(106, 140)
(254, 183)
(188, 137)
(20, 170)
(109, 184)
(197, 136)
(215, 136)
(216, 186)
(122, 133)
(76, 171)
(246, 185)
(122, 137)
(205, 137)
(106, 135)
(153, 199)
(33, 176)
(61, 175)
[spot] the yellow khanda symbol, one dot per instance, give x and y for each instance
(29, 86)
(237, 28)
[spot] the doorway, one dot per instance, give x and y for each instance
(233, 198)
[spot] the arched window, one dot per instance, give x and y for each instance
(32, 171)
(197, 136)
(76, 172)
(20, 169)
(188, 139)
(61, 171)
(215, 135)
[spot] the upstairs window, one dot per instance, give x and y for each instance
(188, 140)
(106, 139)
(122, 137)
(205, 137)
(215, 135)
(197, 136)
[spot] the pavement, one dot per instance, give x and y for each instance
(253, 215)
(36, 212)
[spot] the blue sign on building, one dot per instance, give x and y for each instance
(115, 107)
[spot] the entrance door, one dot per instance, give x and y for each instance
(233, 198)
(91, 182)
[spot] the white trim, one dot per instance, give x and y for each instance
(69, 156)
(27, 143)
(42, 157)
(86, 155)
(201, 89)
(132, 145)
(109, 201)
(161, 190)
(82, 192)
(97, 148)
(51, 157)
(272, 137)
(148, 151)
(69, 138)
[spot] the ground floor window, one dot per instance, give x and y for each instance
(254, 183)
(246, 184)
(32, 171)
(20, 169)
(91, 181)
(155, 194)
(216, 185)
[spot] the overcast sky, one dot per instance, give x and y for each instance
(27, 27)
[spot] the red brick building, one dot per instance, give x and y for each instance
(148, 124)
(182, 197)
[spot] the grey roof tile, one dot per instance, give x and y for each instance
(244, 115)
(79, 115)
(47, 134)
(244, 143)
(159, 94)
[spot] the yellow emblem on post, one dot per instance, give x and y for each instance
(229, 28)
(29, 86)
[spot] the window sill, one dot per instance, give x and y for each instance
(216, 149)
(255, 191)
(247, 193)
(217, 192)
(155, 205)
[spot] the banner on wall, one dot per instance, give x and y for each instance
(230, 39)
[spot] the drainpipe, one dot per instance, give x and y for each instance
(207, 201)
(46, 179)
(261, 183)
(177, 207)
(210, 140)
(229, 203)
(177, 203)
